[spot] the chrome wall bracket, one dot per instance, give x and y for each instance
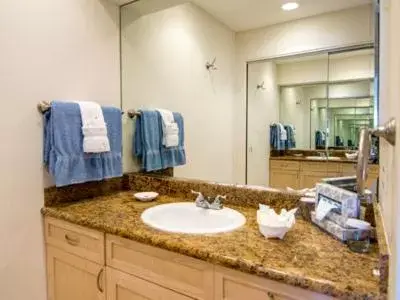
(387, 131)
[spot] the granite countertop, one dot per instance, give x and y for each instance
(307, 257)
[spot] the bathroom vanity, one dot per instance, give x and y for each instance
(86, 264)
(98, 248)
(300, 172)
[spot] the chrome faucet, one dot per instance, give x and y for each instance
(202, 202)
(217, 203)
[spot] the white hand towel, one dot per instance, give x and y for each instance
(283, 132)
(94, 129)
(170, 129)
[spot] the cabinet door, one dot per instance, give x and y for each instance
(122, 286)
(282, 179)
(73, 278)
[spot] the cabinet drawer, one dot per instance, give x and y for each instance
(183, 274)
(234, 285)
(284, 164)
(311, 166)
(75, 239)
(323, 167)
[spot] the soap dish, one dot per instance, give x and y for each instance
(146, 196)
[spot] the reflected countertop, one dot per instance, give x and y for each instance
(306, 257)
(305, 159)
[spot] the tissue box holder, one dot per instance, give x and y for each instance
(339, 232)
(347, 206)
(348, 203)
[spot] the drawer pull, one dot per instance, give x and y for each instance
(99, 279)
(271, 296)
(71, 240)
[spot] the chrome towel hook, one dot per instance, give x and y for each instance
(211, 66)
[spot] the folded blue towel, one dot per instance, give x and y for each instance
(63, 146)
(148, 145)
(148, 140)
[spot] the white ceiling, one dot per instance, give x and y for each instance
(242, 15)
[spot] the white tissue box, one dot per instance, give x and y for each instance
(342, 234)
(348, 203)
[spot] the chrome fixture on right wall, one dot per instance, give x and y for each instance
(388, 132)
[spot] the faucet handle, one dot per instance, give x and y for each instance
(217, 203)
(196, 193)
(200, 196)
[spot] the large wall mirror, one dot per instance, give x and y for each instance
(234, 70)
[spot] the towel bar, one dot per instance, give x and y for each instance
(44, 106)
(133, 113)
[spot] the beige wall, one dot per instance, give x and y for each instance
(164, 57)
(64, 49)
(263, 109)
(389, 189)
(343, 68)
(343, 28)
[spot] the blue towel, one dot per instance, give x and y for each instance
(63, 146)
(290, 143)
(147, 142)
(275, 138)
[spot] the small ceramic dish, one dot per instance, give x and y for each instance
(146, 196)
(298, 154)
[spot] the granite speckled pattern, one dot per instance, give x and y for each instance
(307, 257)
(76, 192)
(235, 194)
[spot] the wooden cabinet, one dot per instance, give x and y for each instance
(305, 174)
(134, 271)
(284, 178)
(70, 277)
(234, 285)
(122, 286)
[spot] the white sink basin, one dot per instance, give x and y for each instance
(322, 158)
(186, 217)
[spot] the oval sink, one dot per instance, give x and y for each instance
(186, 217)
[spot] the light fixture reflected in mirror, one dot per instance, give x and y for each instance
(290, 6)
